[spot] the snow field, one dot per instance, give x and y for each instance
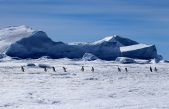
(106, 88)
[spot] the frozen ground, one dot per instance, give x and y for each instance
(104, 89)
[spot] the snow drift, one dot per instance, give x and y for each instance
(125, 60)
(24, 42)
(89, 57)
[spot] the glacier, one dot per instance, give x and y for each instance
(24, 42)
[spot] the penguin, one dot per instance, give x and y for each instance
(92, 69)
(151, 70)
(155, 69)
(82, 69)
(119, 70)
(54, 69)
(22, 68)
(64, 69)
(45, 69)
(126, 69)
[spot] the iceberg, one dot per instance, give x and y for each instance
(24, 42)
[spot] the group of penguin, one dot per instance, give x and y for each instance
(119, 69)
(92, 69)
(151, 69)
(155, 69)
(64, 69)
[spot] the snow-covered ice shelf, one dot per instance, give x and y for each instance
(106, 88)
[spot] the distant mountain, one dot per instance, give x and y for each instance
(24, 42)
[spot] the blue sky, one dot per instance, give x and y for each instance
(146, 21)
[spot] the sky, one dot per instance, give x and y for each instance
(146, 21)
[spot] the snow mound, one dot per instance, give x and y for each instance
(31, 65)
(2, 56)
(89, 57)
(164, 61)
(44, 66)
(125, 60)
(154, 61)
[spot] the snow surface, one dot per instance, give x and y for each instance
(106, 39)
(106, 88)
(125, 60)
(134, 47)
(120, 41)
(10, 35)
